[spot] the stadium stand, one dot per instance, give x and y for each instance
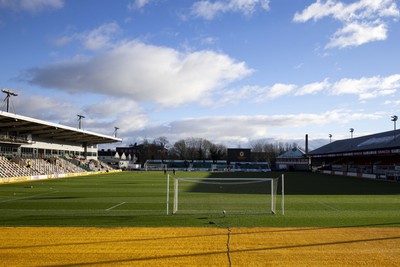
(32, 148)
(293, 160)
(202, 165)
(178, 164)
(205, 165)
(250, 166)
(375, 156)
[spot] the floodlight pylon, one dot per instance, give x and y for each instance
(80, 124)
(394, 119)
(7, 100)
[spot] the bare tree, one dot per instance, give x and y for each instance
(265, 151)
(218, 152)
(197, 148)
(179, 150)
(161, 141)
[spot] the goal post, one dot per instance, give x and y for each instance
(240, 195)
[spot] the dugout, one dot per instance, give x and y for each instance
(375, 156)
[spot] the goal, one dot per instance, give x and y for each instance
(227, 195)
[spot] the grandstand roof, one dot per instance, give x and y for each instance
(10, 122)
(380, 141)
(292, 153)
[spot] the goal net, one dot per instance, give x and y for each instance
(227, 195)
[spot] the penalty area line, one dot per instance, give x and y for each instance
(328, 206)
(122, 203)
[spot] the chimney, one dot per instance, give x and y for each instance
(306, 144)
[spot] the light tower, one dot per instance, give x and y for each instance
(80, 124)
(330, 138)
(394, 119)
(7, 98)
(115, 131)
(351, 131)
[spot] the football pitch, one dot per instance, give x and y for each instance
(120, 219)
(132, 199)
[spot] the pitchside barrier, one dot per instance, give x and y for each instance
(6, 180)
(227, 195)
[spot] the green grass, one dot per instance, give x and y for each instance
(131, 199)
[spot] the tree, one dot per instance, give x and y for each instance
(197, 149)
(179, 150)
(265, 151)
(218, 152)
(161, 141)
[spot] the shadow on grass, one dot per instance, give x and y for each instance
(49, 198)
(303, 183)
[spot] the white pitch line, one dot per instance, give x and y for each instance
(328, 206)
(32, 196)
(122, 203)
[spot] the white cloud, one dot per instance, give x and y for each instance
(112, 112)
(280, 89)
(44, 107)
(133, 121)
(96, 39)
(32, 6)
(208, 9)
(144, 73)
(63, 40)
(356, 34)
(234, 130)
(363, 21)
(359, 10)
(137, 4)
(392, 102)
(365, 88)
(233, 96)
(208, 40)
(313, 88)
(368, 87)
(100, 37)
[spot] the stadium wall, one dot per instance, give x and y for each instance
(353, 174)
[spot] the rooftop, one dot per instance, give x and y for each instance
(385, 140)
(10, 122)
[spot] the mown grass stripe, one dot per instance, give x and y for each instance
(31, 196)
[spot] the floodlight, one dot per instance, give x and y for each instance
(80, 117)
(351, 131)
(9, 93)
(394, 119)
(115, 131)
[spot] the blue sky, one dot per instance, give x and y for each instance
(230, 71)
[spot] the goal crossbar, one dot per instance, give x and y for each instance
(233, 181)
